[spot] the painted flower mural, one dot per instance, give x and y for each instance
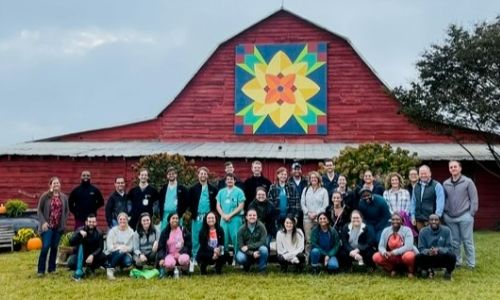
(280, 89)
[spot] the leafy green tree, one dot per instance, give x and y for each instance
(380, 159)
(459, 87)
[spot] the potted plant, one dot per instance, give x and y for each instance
(22, 237)
(15, 207)
(65, 249)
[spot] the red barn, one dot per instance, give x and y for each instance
(201, 123)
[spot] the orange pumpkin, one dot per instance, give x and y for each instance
(34, 244)
(3, 209)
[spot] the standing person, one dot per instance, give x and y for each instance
(314, 200)
(85, 199)
(211, 250)
(89, 240)
(53, 210)
(325, 245)
(460, 207)
(330, 178)
(396, 248)
(266, 213)
(370, 183)
(201, 201)
(434, 245)
(290, 245)
(119, 246)
(427, 198)
(253, 182)
(143, 198)
(252, 243)
(399, 199)
(297, 179)
(375, 211)
(117, 203)
(358, 242)
(146, 239)
(337, 212)
(229, 169)
(285, 198)
(412, 180)
(230, 203)
(348, 198)
(173, 198)
(174, 247)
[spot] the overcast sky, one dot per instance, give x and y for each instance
(68, 66)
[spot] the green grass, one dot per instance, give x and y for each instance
(18, 281)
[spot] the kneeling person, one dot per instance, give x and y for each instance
(252, 243)
(174, 247)
(145, 241)
(395, 249)
(434, 245)
(211, 250)
(89, 243)
(325, 243)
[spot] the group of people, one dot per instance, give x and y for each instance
(318, 221)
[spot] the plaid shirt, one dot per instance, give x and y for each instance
(397, 201)
(291, 194)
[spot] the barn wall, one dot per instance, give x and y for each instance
(27, 178)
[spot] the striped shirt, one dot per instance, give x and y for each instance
(397, 201)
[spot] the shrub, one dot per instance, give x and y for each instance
(15, 207)
(23, 235)
(380, 159)
(158, 164)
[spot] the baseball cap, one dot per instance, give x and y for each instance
(296, 165)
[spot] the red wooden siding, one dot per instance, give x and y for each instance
(32, 176)
(359, 109)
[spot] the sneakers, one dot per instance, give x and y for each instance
(110, 272)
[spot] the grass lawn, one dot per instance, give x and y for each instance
(19, 281)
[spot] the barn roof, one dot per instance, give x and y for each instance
(231, 150)
(208, 58)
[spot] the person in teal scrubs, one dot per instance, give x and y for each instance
(173, 199)
(230, 204)
(202, 201)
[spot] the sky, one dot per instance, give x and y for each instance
(69, 66)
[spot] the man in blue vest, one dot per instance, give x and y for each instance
(427, 198)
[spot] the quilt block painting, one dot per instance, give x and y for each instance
(281, 89)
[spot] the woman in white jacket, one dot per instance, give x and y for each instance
(120, 244)
(290, 245)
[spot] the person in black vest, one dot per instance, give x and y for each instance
(85, 199)
(427, 198)
(117, 203)
(253, 182)
(143, 197)
(91, 241)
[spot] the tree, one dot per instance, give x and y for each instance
(380, 159)
(459, 87)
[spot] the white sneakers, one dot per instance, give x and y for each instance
(110, 272)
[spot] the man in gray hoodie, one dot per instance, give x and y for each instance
(434, 245)
(460, 207)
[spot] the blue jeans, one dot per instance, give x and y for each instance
(462, 229)
(123, 260)
(50, 241)
(317, 258)
(246, 260)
